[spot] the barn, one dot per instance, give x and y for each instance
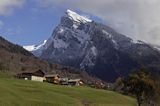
(34, 76)
(75, 82)
(52, 78)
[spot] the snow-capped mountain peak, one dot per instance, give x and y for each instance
(34, 47)
(76, 17)
(157, 47)
(30, 47)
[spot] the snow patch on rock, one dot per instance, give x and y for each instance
(94, 50)
(90, 58)
(76, 17)
(107, 33)
(137, 41)
(32, 48)
(61, 30)
(58, 43)
(82, 36)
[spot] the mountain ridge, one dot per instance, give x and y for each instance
(16, 59)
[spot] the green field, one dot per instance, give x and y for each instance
(28, 93)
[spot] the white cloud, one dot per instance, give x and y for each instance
(139, 19)
(7, 6)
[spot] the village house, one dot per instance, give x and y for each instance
(34, 76)
(64, 81)
(52, 78)
(75, 82)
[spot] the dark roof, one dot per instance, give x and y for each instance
(51, 75)
(64, 79)
(74, 80)
(36, 73)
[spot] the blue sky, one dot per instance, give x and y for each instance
(28, 22)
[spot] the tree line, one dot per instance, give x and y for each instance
(141, 84)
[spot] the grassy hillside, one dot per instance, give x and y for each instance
(27, 93)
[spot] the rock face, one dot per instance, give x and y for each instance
(36, 49)
(84, 44)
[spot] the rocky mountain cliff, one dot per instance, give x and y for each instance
(87, 45)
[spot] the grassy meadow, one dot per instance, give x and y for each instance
(16, 92)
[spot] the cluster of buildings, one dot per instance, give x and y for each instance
(50, 78)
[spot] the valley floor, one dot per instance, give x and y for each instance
(28, 93)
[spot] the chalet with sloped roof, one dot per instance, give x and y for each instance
(34, 76)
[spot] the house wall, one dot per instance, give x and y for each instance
(75, 83)
(36, 78)
(27, 78)
(55, 80)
